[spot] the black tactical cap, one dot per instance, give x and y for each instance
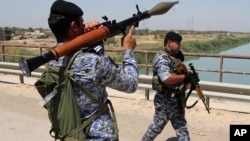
(173, 36)
(68, 9)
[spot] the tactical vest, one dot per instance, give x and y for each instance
(157, 84)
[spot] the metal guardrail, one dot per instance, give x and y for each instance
(210, 89)
(147, 65)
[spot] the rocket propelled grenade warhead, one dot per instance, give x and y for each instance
(161, 8)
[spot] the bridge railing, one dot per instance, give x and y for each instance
(212, 89)
(38, 50)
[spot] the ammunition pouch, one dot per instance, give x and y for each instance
(44, 88)
(157, 85)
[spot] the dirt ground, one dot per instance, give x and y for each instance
(22, 118)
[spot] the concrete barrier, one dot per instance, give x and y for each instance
(210, 89)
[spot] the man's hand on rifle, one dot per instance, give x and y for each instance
(190, 79)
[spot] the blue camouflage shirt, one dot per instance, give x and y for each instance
(95, 71)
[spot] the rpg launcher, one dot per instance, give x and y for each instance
(108, 29)
(198, 90)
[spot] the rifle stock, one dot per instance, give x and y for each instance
(92, 37)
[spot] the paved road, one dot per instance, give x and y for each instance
(23, 119)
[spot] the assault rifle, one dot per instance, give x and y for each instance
(106, 30)
(197, 88)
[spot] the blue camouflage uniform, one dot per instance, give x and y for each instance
(95, 71)
(168, 106)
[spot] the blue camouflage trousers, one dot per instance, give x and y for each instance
(167, 109)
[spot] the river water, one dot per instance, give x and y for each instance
(228, 64)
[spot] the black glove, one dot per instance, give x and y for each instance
(189, 78)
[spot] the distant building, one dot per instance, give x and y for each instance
(5, 35)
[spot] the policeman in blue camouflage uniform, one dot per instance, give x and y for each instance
(169, 100)
(92, 68)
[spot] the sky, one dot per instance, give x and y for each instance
(200, 15)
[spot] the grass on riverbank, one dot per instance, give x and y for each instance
(203, 43)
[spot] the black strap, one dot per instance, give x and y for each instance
(188, 94)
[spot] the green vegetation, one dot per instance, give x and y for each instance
(21, 30)
(13, 53)
(196, 43)
(214, 46)
(193, 41)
